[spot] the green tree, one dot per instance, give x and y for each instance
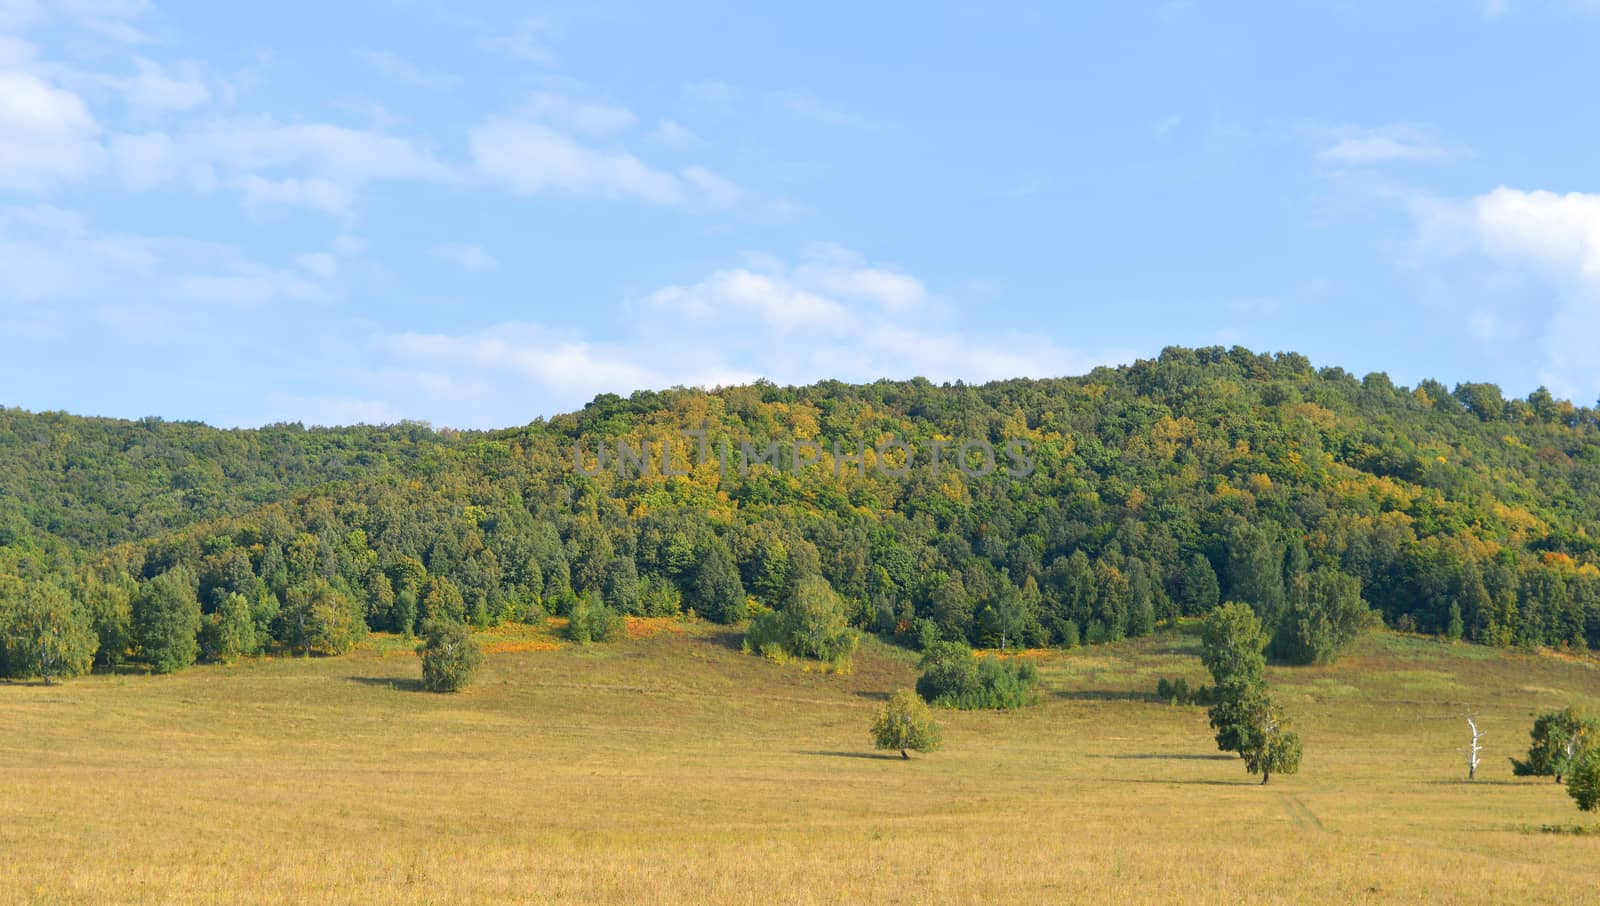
(1558, 740)
(230, 631)
(166, 621)
(1201, 591)
(905, 723)
(1231, 645)
(110, 609)
(718, 592)
(450, 655)
(1583, 780)
(1249, 723)
(318, 617)
(45, 633)
(1324, 614)
(1255, 569)
(817, 624)
(591, 620)
(1453, 625)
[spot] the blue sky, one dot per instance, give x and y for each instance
(476, 214)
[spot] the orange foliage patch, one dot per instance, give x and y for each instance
(645, 627)
(508, 638)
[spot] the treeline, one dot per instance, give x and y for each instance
(1160, 489)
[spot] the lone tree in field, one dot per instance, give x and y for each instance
(1246, 719)
(1559, 740)
(450, 656)
(1270, 746)
(905, 723)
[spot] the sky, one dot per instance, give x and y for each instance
(477, 214)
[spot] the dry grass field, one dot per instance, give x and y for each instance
(669, 767)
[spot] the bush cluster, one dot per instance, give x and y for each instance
(954, 677)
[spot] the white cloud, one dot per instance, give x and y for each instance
(114, 19)
(777, 302)
(808, 106)
(1558, 233)
(15, 52)
(718, 97)
(1497, 9)
(322, 264)
(529, 40)
(1382, 144)
(319, 166)
(144, 286)
(396, 68)
(465, 255)
(830, 315)
(673, 135)
(577, 117)
(47, 134)
(19, 14)
(322, 195)
(157, 88)
(532, 158)
(1522, 270)
(254, 144)
(330, 410)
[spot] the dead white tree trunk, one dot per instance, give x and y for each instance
(1472, 753)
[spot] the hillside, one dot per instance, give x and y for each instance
(1151, 491)
(671, 768)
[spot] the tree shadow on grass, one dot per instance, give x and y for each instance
(870, 756)
(1164, 756)
(1103, 695)
(1243, 781)
(1462, 781)
(729, 639)
(398, 683)
(872, 696)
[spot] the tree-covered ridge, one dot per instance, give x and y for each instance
(98, 481)
(1160, 488)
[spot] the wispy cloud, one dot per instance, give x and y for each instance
(529, 40)
(1357, 146)
(467, 256)
(553, 143)
(396, 68)
(807, 106)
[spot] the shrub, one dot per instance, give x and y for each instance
(660, 597)
(450, 656)
(905, 723)
(1069, 634)
(1177, 692)
(813, 624)
(592, 621)
(953, 677)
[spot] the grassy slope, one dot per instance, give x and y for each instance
(673, 768)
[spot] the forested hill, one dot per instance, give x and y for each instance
(1127, 495)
